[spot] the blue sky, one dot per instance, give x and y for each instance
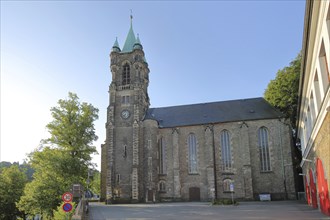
(197, 51)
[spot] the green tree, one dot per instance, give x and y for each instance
(96, 183)
(63, 159)
(72, 128)
(55, 173)
(12, 182)
(282, 92)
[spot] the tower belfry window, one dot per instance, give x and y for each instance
(126, 75)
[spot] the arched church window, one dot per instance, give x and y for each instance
(192, 154)
(226, 157)
(264, 149)
(162, 156)
(126, 75)
(162, 187)
(226, 185)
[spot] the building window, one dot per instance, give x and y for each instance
(126, 75)
(162, 187)
(264, 149)
(150, 162)
(118, 179)
(225, 150)
(309, 122)
(302, 141)
(324, 68)
(313, 111)
(317, 91)
(328, 22)
(162, 156)
(192, 154)
(125, 99)
(125, 151)
(226, 185)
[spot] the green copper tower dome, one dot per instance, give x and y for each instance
(115, 47)
(137, 44)
(130, 40)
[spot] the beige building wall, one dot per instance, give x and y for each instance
(314, 107)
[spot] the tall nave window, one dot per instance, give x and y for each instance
(162, 156)
(225, 150)
(192, 154)
(264, 149)
(126, 75)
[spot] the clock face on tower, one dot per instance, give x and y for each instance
(125, 114)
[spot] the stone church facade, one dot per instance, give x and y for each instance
(192, 152)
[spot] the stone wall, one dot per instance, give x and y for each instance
(248, 181)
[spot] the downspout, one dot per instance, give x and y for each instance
(214, 166)
(282, 160)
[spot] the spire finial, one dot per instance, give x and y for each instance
(131, 16)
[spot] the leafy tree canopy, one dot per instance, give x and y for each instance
(282, 92)
(96, 183)
(63, 159)
(23, 167)
(72, 128)
(56, 171)
(12, 182)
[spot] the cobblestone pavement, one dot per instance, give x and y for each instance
(284, 210)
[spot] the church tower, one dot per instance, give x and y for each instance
(128, 103)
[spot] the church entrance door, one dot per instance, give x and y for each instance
(150, 196)
(194, 194)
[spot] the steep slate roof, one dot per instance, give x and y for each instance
(214, 112)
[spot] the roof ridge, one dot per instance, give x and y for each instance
(205, 103)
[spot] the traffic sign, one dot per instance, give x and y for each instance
(231, 187)
(67, 207)
(67, 197)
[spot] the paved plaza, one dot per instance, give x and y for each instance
(284, 210)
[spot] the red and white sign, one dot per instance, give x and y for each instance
(67, 197)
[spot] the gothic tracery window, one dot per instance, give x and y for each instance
(264, 149)
(225, 150)
(192, 154)
(162, 156)
(126, 75)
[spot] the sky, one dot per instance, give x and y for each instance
(197, 51)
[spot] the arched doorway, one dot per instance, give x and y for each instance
(322, 186)
(194, 194)
(307, 190)
(313, 189)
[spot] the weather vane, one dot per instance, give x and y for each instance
(131, 14)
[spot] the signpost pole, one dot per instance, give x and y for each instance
(232, 192)
(232, 197)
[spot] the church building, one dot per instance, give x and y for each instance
(195, 152)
